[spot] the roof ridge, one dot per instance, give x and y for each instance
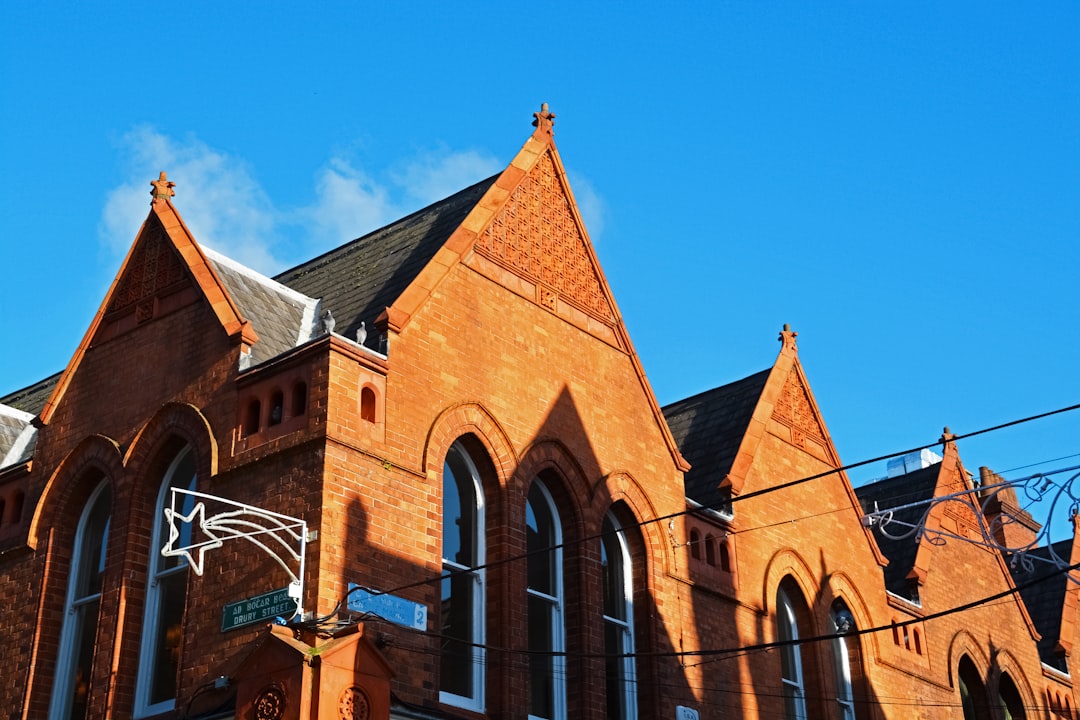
(710, 391)
(315, 261)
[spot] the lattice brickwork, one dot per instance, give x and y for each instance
(536, 236)
(154, 266)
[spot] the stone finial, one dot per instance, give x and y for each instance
(163, 188)
(787, 338)
(544, 121)
(946, 436)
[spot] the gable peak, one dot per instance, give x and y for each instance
(544, 121)
(162, 188)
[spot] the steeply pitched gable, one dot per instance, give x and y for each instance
(165, 269)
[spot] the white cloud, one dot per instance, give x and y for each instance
(440, 173)
(226, 207)
(348, 204)
(223, 205)
(590, 203)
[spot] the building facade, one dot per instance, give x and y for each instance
(424, 476)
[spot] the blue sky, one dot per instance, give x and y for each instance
(898, 181)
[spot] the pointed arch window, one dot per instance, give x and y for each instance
(1012, 705)
(618, 622)
(71, 686)
(547, 670)
(794, 689)
(461, 674)
(972, 691)
(166, 599)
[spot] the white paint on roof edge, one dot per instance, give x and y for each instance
(309, 304)
(257, 276)
(15, 413)
(18, 448)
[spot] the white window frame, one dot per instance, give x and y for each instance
(63, 680)
(477, 627)
(155, 573)
(845, 694)
(624, 625)
(555, 607)
(788, 628)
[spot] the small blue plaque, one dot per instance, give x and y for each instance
(388, 607)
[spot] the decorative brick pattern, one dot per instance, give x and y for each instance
(537, 236)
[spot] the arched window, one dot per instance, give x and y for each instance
(277, 407)
(367, 404)
(166, 597)
(695, 544)
(547, 674)
(798, 670)
(618, 622)
(725, 554)
(1009, 700)
(972, 691)
(462, 666)
(299, 398)
(845, 657)
(74, 666)
(253, 417)
(710, 549)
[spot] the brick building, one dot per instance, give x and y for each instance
(499, 520)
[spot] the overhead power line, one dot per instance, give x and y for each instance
(690, 511)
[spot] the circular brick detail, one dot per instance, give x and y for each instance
(354, 705)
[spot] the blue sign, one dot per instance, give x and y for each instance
(388, 607)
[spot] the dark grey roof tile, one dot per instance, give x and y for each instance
(708, 428)
(360, 279)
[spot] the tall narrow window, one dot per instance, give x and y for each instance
(618, 622)
(790, 657)
(1009, 700)
(71, 687)
(462, 663)
(844, 623)
(972, 691)
(166, 598)
(547, 679)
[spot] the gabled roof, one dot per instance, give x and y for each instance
(913, 487)
(709, 428)
(163, 259)
(282, 317)
(360, 279)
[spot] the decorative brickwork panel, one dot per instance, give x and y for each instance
(155, 267)
(794, 410)
(354, 705)
(537, 236)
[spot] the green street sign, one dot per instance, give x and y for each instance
(267, 606)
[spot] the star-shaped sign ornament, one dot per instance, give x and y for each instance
(194, 560)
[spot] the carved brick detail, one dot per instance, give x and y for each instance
(270, 703)
(154, 267)
(537, 237)
(354, 705)
(793, 409)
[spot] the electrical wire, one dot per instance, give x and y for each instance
(739, 498)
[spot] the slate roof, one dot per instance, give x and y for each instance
(708, 428)
(1046, 598)
(360, 279)
(32, 399)
(282, 317)
(894, 492)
